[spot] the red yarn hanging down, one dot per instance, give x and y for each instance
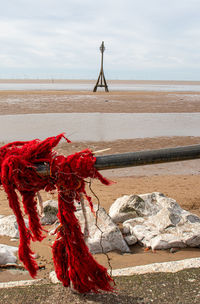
(72, 260)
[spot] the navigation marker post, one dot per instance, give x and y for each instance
(101, 81)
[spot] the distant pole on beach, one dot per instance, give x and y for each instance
(101, 81)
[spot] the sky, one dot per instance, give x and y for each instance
(144, 39)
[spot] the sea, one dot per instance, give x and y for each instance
(88, 85)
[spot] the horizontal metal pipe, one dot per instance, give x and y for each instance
(147, 157)
(139, 158)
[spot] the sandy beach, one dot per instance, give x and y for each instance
(24, 102)
(178, 180)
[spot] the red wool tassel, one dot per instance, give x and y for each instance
(83, 271)
(60, 258)
(72, 259)
(76, 262)
(17, 172)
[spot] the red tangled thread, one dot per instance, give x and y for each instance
(72, 259)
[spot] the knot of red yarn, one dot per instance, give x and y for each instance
(72, 259)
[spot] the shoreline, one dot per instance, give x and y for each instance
(116, 81)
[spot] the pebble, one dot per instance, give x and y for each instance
(174, 250)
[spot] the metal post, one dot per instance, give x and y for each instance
(101, 77)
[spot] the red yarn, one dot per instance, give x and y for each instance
(72, 260)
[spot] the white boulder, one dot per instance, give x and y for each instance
(9, 226)
(7, 254)
(104, 235)
(130, 239)
(131, 206)
(53, 277)
(50, 212)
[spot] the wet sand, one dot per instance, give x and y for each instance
(178, 180)
(23, 102)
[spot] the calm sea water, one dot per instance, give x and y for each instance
(88, 86)
(98, 126)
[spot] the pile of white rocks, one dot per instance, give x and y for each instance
(102, 234)
(152, 220)
(156, 221)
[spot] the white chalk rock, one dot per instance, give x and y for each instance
(53, 277)
(130, 239)
(50, 212)
(103, 237)
(7, 254)
(131, 206)
(166, 241)
(9, 226)
(165, 225)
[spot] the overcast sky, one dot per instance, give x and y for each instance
(144, 39)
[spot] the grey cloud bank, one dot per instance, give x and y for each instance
(60, 39)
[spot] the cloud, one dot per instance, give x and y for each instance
(62, 37)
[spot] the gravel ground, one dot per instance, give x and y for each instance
(178, 288)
